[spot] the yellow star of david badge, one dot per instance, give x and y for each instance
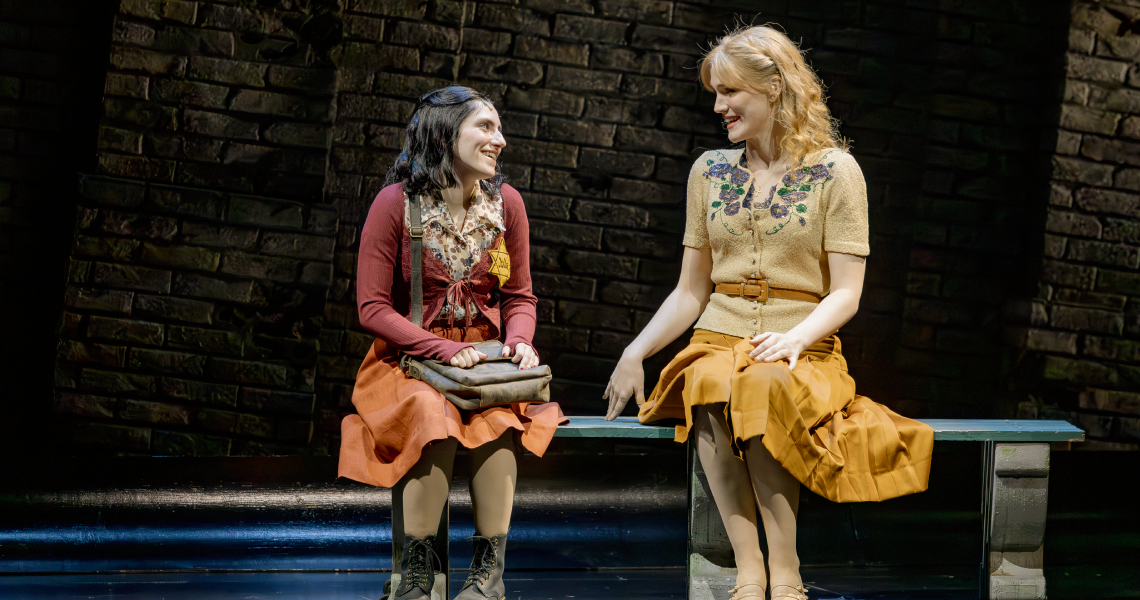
(501, 263)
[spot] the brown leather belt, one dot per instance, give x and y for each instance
(758, 289)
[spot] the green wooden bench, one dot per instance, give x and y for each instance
(1015, 482)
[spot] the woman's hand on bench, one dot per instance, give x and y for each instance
(627, 381)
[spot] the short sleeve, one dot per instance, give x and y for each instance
(696, 211)
(845, 200)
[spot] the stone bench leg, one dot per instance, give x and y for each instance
(439, 590)
(1016, 488)
(712, 568)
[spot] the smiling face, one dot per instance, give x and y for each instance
(746, 114)
(476, 151)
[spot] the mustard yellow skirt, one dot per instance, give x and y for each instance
(842, 446)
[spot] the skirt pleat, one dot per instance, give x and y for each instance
(842, 446)
(396, 417)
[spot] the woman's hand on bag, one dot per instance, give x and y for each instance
(771, 347)
(627, 381)
(525, 356)
(466, 357)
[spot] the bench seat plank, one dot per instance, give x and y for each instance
(961, 430)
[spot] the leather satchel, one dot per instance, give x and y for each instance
(492, 382)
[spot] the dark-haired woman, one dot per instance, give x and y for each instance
(404, 430)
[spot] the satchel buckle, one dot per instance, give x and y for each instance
(416, 232)
(755, 289)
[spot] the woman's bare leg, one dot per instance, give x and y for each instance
(778, 494)
(732, 490)
(494, 471)
(426, 486)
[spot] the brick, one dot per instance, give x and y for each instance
(99, 354)
(198, 391)
(83, 298)
(1089, 68)
(254, 425)
(207, 340)
(259, 267)
(298, 134)
(545, 101)
(634, 294)
(1110, 401)
(655, 12)
(117, 382)
(1092, 299)
(83, 405)
(646, 192)
(177, 443)
(589, 29)
(222, 421)
(294, 245)
(516, 20)
(621, 111)
(120, 249)
(1098, 200)
(1118, 151)
(147, 61)
(134, 224)
(379, 56)
(1061, 273)
(1044, 340)
(637, 243)
(578, 236)
(503, 69)
(662, 90)
(272, 103)
(154, 412)
(1095, 17)
(200, 286)
(288, 403)
(264, 212)
(219, 70)
(651, 37)
(487, 42)
(546, 336)
(120, 140)
(370, 107)
(616, 215)
(186, 257)
(124, 84)
(408, 33)
(219, 125)
(176, 309)
(316, 273)
(1080, 372)
(1122, 230)
(237, 18)
(1118, 282)
(1128, 179)
(109, 192)
(1087, 319)
(544, 153)
(626, 60)
(1081, 171)
(652, 141)
(405, 9)
(612, 163)
(181, 363)
(1072, 223)
(1118, 255)
(1112, 349)
(1089, 120)
(132, 277)
(111, 436)
(125, 330)
(135, 112)
(246, 371)
(205, 41)
(551, 51)
(564, 286)
(937, 312)
(582, 314)
(568, 182)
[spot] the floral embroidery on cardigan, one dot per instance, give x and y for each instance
(729, 201)
(793, 193)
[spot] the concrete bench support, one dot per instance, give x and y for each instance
(1018, 476)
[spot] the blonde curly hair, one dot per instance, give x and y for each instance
(750, 58)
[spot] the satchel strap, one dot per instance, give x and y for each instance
(417, 232)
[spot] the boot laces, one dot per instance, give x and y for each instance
(422, 562)
(484, 563)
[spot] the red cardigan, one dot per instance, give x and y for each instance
(383, 290)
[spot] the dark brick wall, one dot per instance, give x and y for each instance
(210, 305)
(1080, 335)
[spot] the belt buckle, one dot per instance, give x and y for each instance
(748, 290)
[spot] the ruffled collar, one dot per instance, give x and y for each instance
(485, 212)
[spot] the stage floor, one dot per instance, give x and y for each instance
(621, 584)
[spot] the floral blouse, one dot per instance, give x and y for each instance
(462, 247)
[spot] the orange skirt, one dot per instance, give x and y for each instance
(397, 416)
(840, 445)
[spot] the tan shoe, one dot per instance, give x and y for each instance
(799, 592)
(737, 595)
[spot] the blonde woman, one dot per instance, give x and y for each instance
(775, 248)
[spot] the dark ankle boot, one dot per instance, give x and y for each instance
(417, 570)
(486, 578)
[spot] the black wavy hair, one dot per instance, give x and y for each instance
(425, 164)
